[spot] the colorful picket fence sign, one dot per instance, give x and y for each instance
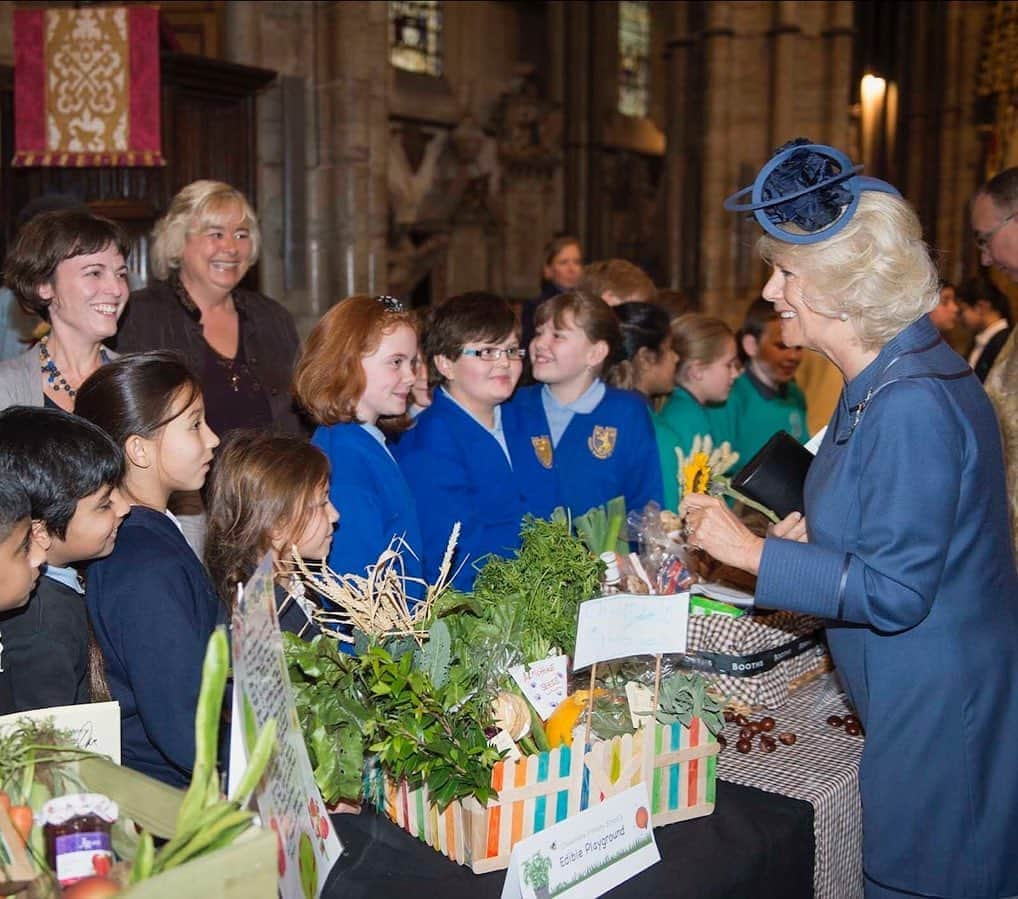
(679, 765)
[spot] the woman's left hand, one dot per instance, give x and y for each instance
(711, 526)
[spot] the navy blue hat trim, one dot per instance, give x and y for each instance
(813, 186)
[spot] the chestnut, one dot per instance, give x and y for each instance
(787, 737)
(767, 724)
(743, 746)
(835, 720)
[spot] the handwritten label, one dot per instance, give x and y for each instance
(543, 683)
(588, 854)
(288, 798)
(94, 725)
(616, 627)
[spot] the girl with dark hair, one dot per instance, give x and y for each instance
(269, 493)
(599, 440)
(150, 601)
(69, 268)
(648, 366)
(354, 381)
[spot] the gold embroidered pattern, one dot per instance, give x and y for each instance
(602, 441)
(542, 449)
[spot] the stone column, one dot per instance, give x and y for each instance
(838, 38)
(786, 67)
(717, 235)
(347, 186)
(679, 177)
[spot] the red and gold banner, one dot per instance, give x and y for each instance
(86, 87)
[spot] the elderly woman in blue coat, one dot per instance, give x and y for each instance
(904, 546)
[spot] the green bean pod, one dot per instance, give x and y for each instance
(144, 859)
(207, 836)
(206, 818)
(206, 726)
(261, 754)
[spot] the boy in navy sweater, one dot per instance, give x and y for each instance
(71, 471)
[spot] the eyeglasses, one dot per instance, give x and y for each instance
(493, 354)
(983, 239)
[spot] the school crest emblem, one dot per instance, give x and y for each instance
(542, 449)
(602, 441)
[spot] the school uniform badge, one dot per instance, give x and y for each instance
(542, 449)
(602, 441)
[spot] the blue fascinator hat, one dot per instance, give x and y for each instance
(813, 186)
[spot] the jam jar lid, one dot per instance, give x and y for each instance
(63, 808)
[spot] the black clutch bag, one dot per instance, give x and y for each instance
(775, 476)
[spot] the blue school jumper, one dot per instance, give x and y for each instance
(910, 555)
(457, 471)
(372, 497)
(153, 609)
(607, 452)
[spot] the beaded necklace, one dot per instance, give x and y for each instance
(48, 366)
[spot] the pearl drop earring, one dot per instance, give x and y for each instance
(843, 316)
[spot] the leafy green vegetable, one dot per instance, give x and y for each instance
(349, 706)
(551, 574)
(599, 527)
(684, 697)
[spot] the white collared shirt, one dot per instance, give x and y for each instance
(983, 338)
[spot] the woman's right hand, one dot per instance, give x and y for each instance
(791, 527)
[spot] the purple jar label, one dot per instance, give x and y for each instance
(82, 855)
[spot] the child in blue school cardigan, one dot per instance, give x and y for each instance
(598, 440)
(151, 603)
(354, 380)
(457, 458)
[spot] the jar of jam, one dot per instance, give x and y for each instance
(77, 832)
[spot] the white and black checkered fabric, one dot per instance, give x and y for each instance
(751, 634)
(822, 767)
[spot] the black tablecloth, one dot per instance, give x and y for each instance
(756, 845)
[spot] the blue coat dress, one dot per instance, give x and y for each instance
(153, 609)
(458, 472)
(602, 454)
(373, 500)
(910, 556)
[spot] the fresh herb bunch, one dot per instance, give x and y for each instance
(551, 574)
(684, 697)
(430, 734)
(331, 713)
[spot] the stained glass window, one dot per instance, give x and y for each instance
(415, 36)
(634, 57)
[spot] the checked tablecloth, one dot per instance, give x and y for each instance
(822, 768)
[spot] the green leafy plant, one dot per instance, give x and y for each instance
(536, 870)
(350, 706)
(551, 574)
(683, 697)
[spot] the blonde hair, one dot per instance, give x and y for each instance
(196, 206)
(699, 338)
(877, 270)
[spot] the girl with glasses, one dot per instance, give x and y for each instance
(457, 458)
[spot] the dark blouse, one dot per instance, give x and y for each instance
(234, 397)
(159, 317)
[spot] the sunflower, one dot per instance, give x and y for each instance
(696, 474)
